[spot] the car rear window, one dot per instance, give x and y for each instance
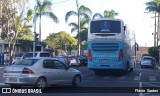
(29, 55)
(45, 55)
(147, 58)
(27, 62)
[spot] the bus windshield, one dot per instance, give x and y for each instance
(105, 26)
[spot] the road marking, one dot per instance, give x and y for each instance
(138, 77)
(140, 86)
(152, 78)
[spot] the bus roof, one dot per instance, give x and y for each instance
(106, 19)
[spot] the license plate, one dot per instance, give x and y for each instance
(13, 80)
(104, 60)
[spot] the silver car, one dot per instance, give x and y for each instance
(40, 72)
(147, 61)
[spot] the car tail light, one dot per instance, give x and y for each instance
(120, 55)
(89, 55)
(27, 71)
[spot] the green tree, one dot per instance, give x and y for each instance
(44, 9)
(15, 20)
(153, 51)
(61, 40)
(82, 12)
(106, 14)
(26, 40)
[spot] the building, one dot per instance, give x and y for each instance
(142, 50)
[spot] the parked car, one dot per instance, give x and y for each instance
(37, 55)
(147, 61)
(15, 59)
(40, 72)
(83, 60)
(74, 61)
(30, 55)
(143, 56)
(63, 59)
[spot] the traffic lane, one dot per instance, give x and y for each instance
(76, 94)
(1, 74)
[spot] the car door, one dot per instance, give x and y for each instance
(50, 72)
(66, 74)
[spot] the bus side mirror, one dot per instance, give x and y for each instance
(137, 47)
(124, 28)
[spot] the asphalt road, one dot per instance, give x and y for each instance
(108, 84)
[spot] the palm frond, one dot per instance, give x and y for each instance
(97, 15)
(85, 17)
(151, 6)
(46, 6)
(84, 9)
(73, 30)
(70, 13)
(83, 22)
(52, 16)
(73, 24)
(38, 2)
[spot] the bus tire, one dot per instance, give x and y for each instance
(127, 67)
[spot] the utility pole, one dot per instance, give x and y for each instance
(155, 31)
(158, 30)
(34, 22)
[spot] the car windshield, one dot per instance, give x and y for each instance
(27, 62)
(105, 26)
(147, 59)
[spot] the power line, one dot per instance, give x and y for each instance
(61, 2)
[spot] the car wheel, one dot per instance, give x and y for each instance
(76, 81)
(41, 83)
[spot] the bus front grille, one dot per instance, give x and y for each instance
(109, 47)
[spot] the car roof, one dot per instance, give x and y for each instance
(41, 58)
(39, 52)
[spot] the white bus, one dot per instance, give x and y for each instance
(111, 45)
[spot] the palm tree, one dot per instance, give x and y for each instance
(154, 6)
(44, 8)
(106, 14)
(82, 12)
(83, 27)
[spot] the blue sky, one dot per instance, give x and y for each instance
(131, 11)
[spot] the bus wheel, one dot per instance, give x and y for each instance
(127, 67)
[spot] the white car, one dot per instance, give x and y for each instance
(147, 61)
(37, 55)
(30, 55)
(74, 61)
